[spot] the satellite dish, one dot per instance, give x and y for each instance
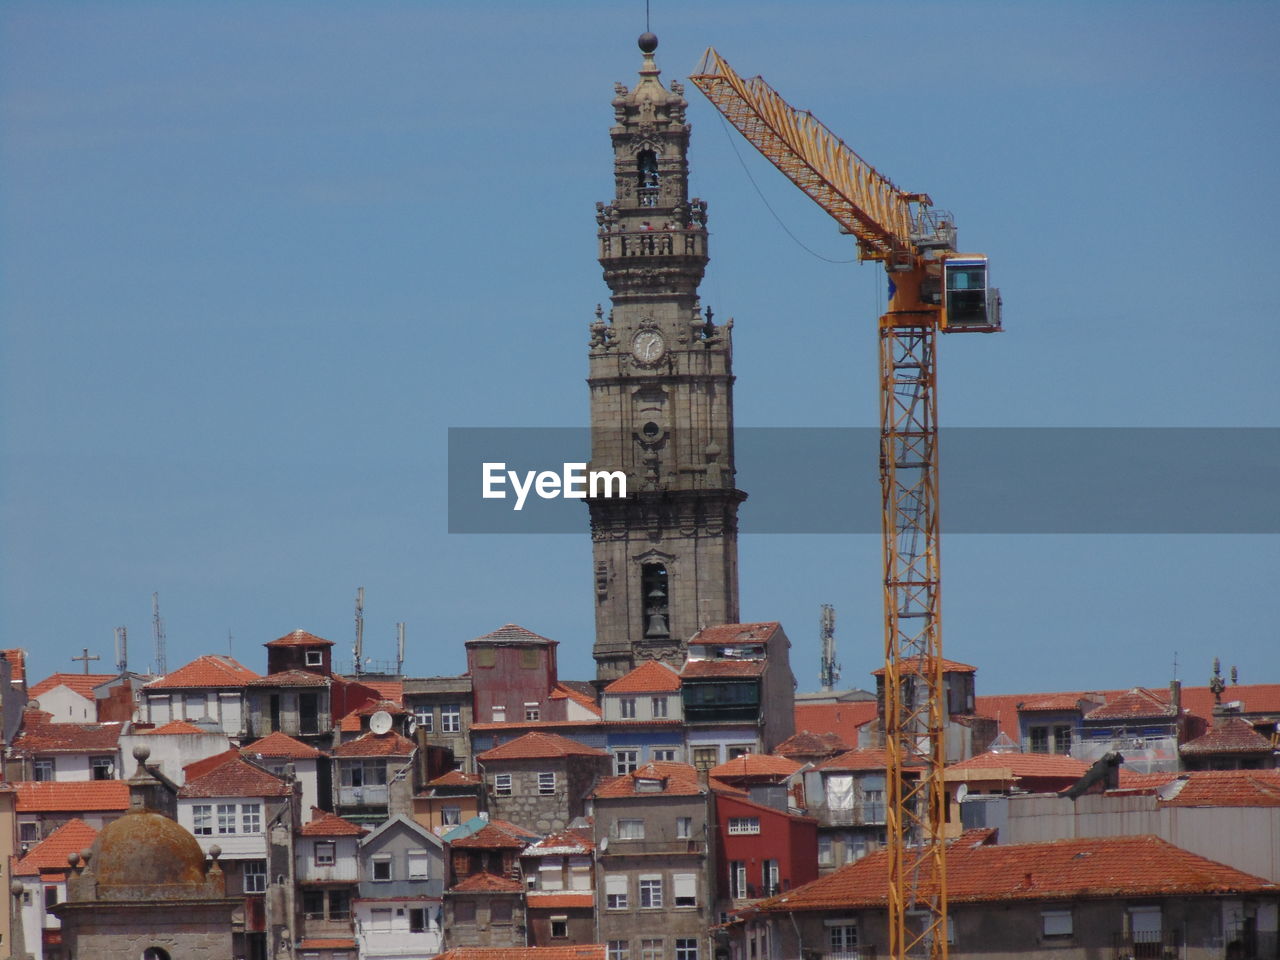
(962, 791)
(604, 844)
(413, 725)
(380, 722)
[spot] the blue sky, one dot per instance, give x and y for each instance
(257, 258)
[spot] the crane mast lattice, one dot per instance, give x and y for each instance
(931, 288)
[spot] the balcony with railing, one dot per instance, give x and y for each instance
(657, 242)
(858, 953)
(1148, 945)
(868, 813)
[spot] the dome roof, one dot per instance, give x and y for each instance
(146, 849)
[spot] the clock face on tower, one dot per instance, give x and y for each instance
(647, 347)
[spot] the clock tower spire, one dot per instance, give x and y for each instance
(661, 382)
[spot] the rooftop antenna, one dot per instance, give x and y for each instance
(829, 671)
(399, 648)
(85, 658)
(157, 629)
(359, 648)
(122, 650)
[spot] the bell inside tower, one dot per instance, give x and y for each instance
(653, 586)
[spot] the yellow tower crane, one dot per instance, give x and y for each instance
(931, 288)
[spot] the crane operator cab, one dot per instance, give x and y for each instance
(969, 305)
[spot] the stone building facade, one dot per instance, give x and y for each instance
(661, 383)
(541, 780)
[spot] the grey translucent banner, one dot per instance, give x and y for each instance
(993, 480)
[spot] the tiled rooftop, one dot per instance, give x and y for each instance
(211, 670)
(325, 824)
(564, 692)
(1130, 867)
(81, 683)
(1208, 788)
(700, 669)
(1231, 735)
(512, 633)
(650, 677)
(538, 745)
(911, 665)
(455, 778)
(1137, 704)
(78, 796)
(755, 766)
(235, 778)
(178, 728)
(572, 840)
(842, 719)
(326, 943)
(676, 780)
(68, 738)
(375, 745)
(588, 951)
(487, 883)
(1020, 765)
(198, 768)
(489, 837)
(733, 634)
(290, 678)
(559, 899)
(279, 744)
(1054, 702)
(51, 852)
(806, 743)
(853, 760)
(299, 638)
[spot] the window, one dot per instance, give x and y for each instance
(843, 937)
(424, 718)
(615, 890)
(737, 879)
(580, 872)
(315, 658)
(155, 953)
(1146, 926)
(618, 950)
(532, 712)
(1039, 739)
(417, 920)
(1061, 739)
(665, 755)
(499, 911)
(380, 919)
(659, 705)
(500, 714)
(464, 911)
(195, 706)
(769, 878)
(684, 887)
(529, 658)
(419, 865)
(502, 784)
(42, 768)
(226, 818)
(486, 657)
(630, 829)
(559, 927)
(704, 758)
(739, 750)
(202, 819)
(1056, 923)
(450, 816)
(684, 828)
(744, 824)
(29, 832)
(251, 818)
(651, 949)
(50, 897)
(381, 866)
(326, 853)
(687, 949)
(255, 876)
(101, 768)
(650, 892)
(364, 773)
(339, 904)
(627, 708)
(313, 904)
(450, 718)
(625, 761)
(826, 851)
(546, 784)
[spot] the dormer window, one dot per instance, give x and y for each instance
(315, 658)
(648, 785)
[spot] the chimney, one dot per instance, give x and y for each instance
(1175, 697)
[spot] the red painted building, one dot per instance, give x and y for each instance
(513, 674)
(762, 851)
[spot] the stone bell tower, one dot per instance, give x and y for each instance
(661, 380)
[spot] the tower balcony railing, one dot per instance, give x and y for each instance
(658, 241)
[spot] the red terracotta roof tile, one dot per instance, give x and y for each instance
(81, 683)
(375, 745)
(211, 670)
(392, 690)
(698, 669)
(805, 743)
(733, 634)
(1095, 867)
(51, 852)
(512, 633)
(563, 692)
(326, 943)
(393, 707)
(455, 778)
(559, 900)
(17, 664)
(290, 678)
(1054, 702)
(176, 728)
(299, 638)
(563, 842)
(235, 778)
(1134, 705)
(487, 883)
(911, 665)
(198, 768)
(842, 719)
(538, 745)
(1207, 788)
(279, 744)
(675, 779)
(80, 796)
(1232, 735)
(652, 676)
(489, 837)
(587, 951)
(851, 760)
(755, 766)
(68, 738)
(325, 824)
(1022, 765)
